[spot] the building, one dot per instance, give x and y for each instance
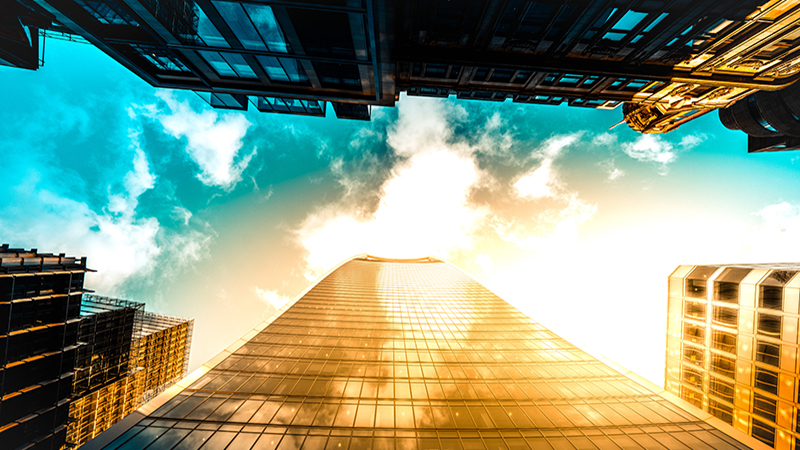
(411, 354)
(732, 346)
(665, 62)
(126, 357)
(40, 298)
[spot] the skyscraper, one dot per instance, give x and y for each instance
(411, 354)
(126, 357)
(663, 62)
(40, 297)
(732, 346)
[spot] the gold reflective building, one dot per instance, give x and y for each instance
(411, 354)
(110, 384)
(732, 346)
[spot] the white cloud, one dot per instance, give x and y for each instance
(118, 244)
(650, 148)
(656, 149)
(423, 211)
(536, 183)
(181, 214)
(271, 298)
(214, 141)
(485, 262)
(542, 181)
(614, 172)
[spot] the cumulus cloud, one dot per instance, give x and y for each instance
(423, 211)
(271, 298)
(213, 140)
(656, 149)
(427, 204)
(118, 243)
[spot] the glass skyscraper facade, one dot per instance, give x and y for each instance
(411, 354)
(732, 346)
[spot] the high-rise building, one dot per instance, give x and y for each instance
(664, 61)
(732, 346)
(126, 357)
(40, 297)
(411, 354)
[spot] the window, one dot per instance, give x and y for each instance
(721, 411)
(722, 389)
(207, 33)
(693, 377)
(694, 334)
(764, 406)
(723, 365)
(691, 396)
(693, 355)
(694, 310)
(160, 58)
(764, 432)
(767, 380)
(726, 292)
(769, 325)
(286, 70)
(254, 25)
(696, 281)
(771, 297)
(724, 341)
(771, 289)
(339, 76)
(655, 22)
(108, 13)
(228, 64)
(726, 316)
(629, 21)
(768, 353)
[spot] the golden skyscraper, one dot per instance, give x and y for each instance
(732, 346)
(411, 354)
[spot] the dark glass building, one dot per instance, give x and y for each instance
(412, 354)
(40, 298)
(732, 346)
(664, 62)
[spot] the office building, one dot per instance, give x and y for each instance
(126, 357)
(732, 346)
(411, 354)
(40, 297)
(663, 62)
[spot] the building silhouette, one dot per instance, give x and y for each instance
(411, 354)
(732, 346)
(663, 62)
(126, 357)
(72, 364)
(40, 298)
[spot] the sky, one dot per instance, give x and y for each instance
(225, 216)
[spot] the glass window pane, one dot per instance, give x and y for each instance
(206, 30)
(241, 25)
(239, 64)
(266, 24)
(215, 60)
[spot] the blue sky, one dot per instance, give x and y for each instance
(223, 216)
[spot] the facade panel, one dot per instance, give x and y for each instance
(411, 354)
